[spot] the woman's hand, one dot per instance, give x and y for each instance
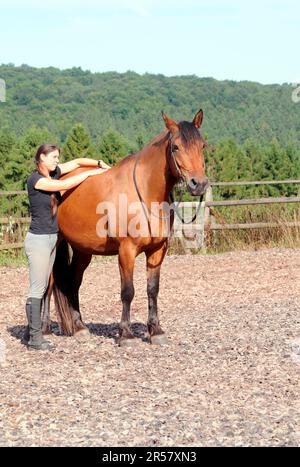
(96, 171)
(103, 165)
(68, 167)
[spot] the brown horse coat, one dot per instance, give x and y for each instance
(175, 153)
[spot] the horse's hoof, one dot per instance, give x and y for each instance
(159, 339)
(125, 342)
(82, 333)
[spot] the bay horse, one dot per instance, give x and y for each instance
(143, 178)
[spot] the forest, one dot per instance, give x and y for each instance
(253, 130)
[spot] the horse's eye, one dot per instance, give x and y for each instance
(175, 147)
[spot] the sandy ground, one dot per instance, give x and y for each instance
(228, 377)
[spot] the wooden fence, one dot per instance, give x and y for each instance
(191, 235)
(12, 224)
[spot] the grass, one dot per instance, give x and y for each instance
(281, 236)
(13, 258)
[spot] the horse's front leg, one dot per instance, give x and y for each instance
(154, 261)
(127, 255)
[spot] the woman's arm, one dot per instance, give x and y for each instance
(47, 184)
(81, 162)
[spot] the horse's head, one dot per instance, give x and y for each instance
(185, 149)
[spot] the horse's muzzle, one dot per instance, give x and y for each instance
(197, 188)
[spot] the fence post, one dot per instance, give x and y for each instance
(207, 216)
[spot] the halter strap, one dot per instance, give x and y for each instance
(144, 206)
(171, 152)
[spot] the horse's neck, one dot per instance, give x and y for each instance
(154, 159)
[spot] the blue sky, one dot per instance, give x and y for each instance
(230, 39)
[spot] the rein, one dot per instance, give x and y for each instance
(181, 177)
(171, 151)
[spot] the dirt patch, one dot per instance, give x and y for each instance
(229, 375)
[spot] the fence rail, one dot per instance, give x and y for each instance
(236, 183)
(11, 246)
(261, 182)
(253, 225)
(249, 202)
(14, 220)
(206, 221)
(9, 193)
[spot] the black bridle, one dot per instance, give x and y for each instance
(180, 177)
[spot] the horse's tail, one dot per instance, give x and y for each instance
(62, 288)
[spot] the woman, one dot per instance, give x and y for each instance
(44, 188)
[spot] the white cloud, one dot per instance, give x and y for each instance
(135, 5)
(47, 4)
(146, 8)
(138, 7)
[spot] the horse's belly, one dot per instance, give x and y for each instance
(88, 243)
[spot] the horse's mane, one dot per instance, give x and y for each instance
(189, 133)
(124, 160)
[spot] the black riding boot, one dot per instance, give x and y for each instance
(36, 340)
(26, 335)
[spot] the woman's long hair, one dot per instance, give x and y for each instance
(46, 149)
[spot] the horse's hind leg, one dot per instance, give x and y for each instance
(80, 262)
(46, 321)
(127, 254)
(154, 261)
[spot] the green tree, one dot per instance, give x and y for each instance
(113, 147)
(21, 164)
(7, 143)
(228, 163)
(21, 161)
(78, 144)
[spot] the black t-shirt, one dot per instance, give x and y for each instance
(42, 221)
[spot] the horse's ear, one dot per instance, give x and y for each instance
(198, 119)
(170, 124)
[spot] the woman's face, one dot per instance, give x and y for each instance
(51, 160)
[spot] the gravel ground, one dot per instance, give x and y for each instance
(228, 377)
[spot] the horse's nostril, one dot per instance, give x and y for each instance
(193, 182)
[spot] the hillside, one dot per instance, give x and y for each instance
(131, 104)
(254, 129)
